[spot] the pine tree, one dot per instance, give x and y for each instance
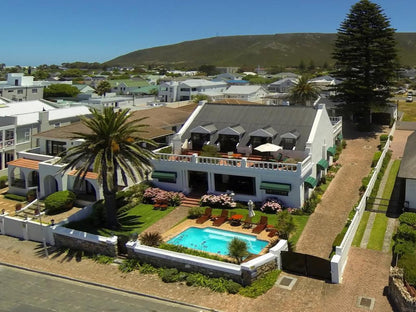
(365, 60)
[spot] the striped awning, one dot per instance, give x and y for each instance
(281, 187)
(332, 150)
(323, 164)
(310, 182)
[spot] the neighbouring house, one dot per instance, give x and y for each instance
(282, 86)
(39, 168)
(325, 84)
(125, 86)
(21, 88)
(172, 91)
(306, 137)
(108, 100)
(251, 93)
(407, 173)
(276, 99)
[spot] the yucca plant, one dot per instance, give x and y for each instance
(152, 239)
(238, 249)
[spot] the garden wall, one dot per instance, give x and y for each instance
(339, 260)
(244, 273)
(84, 241)
(398, 293)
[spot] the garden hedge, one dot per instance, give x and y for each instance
(59, 202)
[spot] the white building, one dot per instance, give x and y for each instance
(251, 93)
(172, 91)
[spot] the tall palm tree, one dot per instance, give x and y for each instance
(111, 145)
(303, 92)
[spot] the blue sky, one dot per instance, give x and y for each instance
(55, 31)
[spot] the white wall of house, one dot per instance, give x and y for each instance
(410, 193)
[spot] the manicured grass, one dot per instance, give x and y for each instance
(388, 189)
(377, 232)
(145, 214)
(361, 228)
(300, 221)
(409, 110)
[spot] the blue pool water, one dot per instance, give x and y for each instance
(215, 240)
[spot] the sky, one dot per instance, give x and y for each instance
(55, 31)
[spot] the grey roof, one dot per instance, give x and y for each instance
(281, 119)
(408, 164)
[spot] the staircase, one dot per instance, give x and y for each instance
(190, 201)
(31, 211)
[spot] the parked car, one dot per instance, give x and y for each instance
(409, 98)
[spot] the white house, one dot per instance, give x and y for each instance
(283, 85)
(407, 172)
(306, 135)
(251, 93)
(21, 88)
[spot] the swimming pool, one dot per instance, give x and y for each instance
(215, 240)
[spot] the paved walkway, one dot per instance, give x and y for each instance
(342, 194)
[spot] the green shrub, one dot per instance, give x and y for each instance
(376, 158)
(407, 262)
(147, 268)
(238, 249)
(344, 144)
(102, 259)
(232, 287)
(190, 251)
(209, 151)
(260, 286)
(152, 239)
(172, 275)
(59, 202)
(408, 218)
(195, 212)
(3, 181)
(15, 197)
(31, 195)
(406, 232)
(384, 137)
(129, 265)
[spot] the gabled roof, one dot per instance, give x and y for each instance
(267, 132)
(236, 130)
(408, 164)
(129, 83)
(281, 119)
(206, 129)
(194, 83)
(243, 89)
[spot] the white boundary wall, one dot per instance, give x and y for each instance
(339, 260)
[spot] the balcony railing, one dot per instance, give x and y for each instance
(230, 162)
(7, 143)
(336, 124)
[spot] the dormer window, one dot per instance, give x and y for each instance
(202, 134)
(229, 138)
(261, 136)
(288, 139)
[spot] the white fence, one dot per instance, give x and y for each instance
(339, 260)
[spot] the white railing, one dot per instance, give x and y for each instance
(339, 260)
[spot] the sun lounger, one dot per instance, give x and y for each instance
(247, 224)
(272, 233)
(222, 218)
(205, 216)
(261, 225)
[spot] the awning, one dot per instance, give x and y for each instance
(281, 187)
(323, 164)
(332, 150)
(164, 175)
(340, 137)
(310, 182)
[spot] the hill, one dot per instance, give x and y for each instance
(264, 50)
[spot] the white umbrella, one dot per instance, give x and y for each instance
(268, 147)
(251, 212)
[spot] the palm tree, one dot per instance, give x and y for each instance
(303, 92)
(110, 145)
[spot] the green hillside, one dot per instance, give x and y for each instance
(264, 50)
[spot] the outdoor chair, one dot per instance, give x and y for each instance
(205, 216)
(272, 233)
(222, 218)
(247, 224)
(261, 225)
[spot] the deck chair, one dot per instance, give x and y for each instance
(247, 224)
(272, 233)
(261, 225)
(222, 218)
(205, 216)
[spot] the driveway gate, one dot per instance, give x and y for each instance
(306, 265)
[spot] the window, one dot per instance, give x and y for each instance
(239, 184)
(34, 90)
(54, 148)
(193, 89)
(288, 143)
(57, 125)
(185, 89)
(20, 91)
(23, 135)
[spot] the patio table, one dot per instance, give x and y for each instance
(236, 219)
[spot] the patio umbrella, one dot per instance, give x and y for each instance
(268, 147)
(250, 205)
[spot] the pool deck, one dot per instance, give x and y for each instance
(225, 226)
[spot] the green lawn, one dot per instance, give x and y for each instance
(377, 232)
(388, 189)
(361, 228)
(141, 217)
(409, 110)
(300, 221)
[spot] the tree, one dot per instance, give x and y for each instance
(237, 249)
(103, 87)
(209, 70)
(303, 92)
(365, 60)
(196, 98)
(285, 224)
(111, 145)
(60, 90)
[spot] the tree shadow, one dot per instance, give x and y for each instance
(57, 252)
(350, 131)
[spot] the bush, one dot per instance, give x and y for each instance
(129, 265)
(172, 275)
(217, 201)
(195, 212)
(209, 151)
(238, 249)
(260, 286)
(59, 202)
(271, 205)
(15, 197)
(384, 138)
(3, 181)
(406, 232)
(407, 262)
(376, 158)
(152, 239)
(285, 224)
(190, 251)
(408, 218)
(102, 259)
(154, 195)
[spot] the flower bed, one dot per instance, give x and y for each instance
(153, 195)
(217, 201)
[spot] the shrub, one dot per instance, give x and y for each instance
(3, 181)
(195, 212)
(209, 151)
(344, 144)
(232, 287)
(376, 158)
(172, 275)
(285, 224)
(271, 205)
(152, 239)
(147, 268)
(154, 195)
(217, 201)
(384, 137)
(31, 195)
(408, 218)
(190, 251)
(238, 249)
(59, 202)
(15, 197)
(260, 286)
(129, 265)
(407, 262)
(102, 259)
(406, 232)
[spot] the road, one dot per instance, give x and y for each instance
(24, 291)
